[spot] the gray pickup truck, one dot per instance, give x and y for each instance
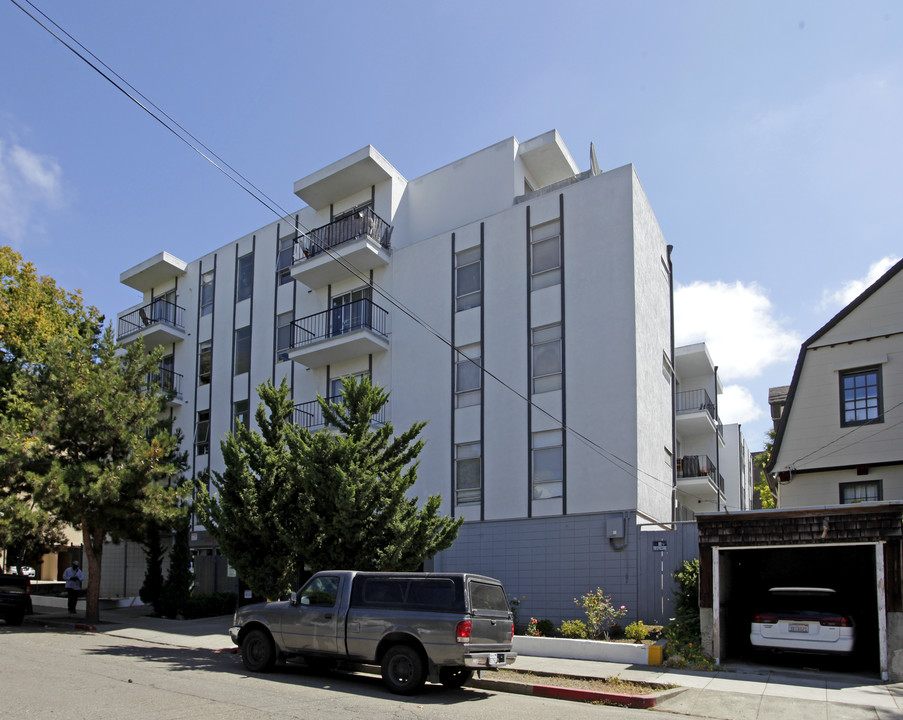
(415, 626)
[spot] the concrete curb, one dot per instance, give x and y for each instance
(642, 702)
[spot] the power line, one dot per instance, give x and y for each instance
(154, 111)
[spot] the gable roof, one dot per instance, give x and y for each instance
(832, 323)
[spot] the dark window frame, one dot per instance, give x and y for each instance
(244, 277)
(876, 484)
(242, 351)
(849, 405)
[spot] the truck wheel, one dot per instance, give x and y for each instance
(258, 653)
(16, 619)
(454, 677)
(403, 670)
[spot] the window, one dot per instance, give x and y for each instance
(242, 350)
(202, 433)
(860, 397)
(207, 292)
(548, 464)
(546, 348)
(468, 473)
(351, 311)
(241, 413)
(244, 277)
(283, 336)
(468, 378)
(335, 385)
(545, 255)
(858, 492)
(168, 375)
(321, 590)
(163, 308)
(284, 258)
(205, 362)
(468, 283)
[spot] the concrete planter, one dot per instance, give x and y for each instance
(630, 653)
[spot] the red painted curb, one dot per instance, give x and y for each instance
(642, 702)
(82, 626)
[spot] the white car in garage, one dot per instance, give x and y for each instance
(802, 619)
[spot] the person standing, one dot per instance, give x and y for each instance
(74, 578)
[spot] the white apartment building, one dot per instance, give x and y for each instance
(521, 307)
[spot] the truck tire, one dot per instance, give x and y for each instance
(15, 618)
(403, 670)
(258, 652)
(454, 676)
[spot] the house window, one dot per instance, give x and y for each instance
(468, 283)
(545, 255)
(468, 378)
(468, 473)
(284, 259)
(335, 385)
(548, 464)
(202, 433)
(860, 397)
(207, 292)
(163, 308)
(244, 277)
(858, 492)
(351, 311)
(546, 349)
(242, 350)
(283, 336)
(205, 362)
(241, 413)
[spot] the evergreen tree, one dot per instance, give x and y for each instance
(152, 588)
(244, 514)
(179, 580)
(349, 507)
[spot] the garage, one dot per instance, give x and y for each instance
(851, 554)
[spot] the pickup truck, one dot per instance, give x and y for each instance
(15, 598)
(414, 626)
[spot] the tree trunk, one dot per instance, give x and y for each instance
(93, 540)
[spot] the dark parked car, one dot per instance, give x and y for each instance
(15, 598)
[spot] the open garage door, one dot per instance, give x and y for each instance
(746, 575)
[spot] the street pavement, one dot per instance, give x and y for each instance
(731, 693)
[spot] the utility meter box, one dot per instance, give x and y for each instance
(615, 527)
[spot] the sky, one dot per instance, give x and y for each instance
(766, 136)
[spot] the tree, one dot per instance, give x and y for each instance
(762, 486)
(179, 581)
(244, 515)
(110, 461)
(34, 313)
(152, 588)
(350, 508)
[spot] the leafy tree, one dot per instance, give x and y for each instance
(349, 508)
(109, 459)
(762, 487)
(244, 515)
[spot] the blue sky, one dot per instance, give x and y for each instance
(765, 134)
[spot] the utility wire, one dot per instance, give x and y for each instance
(127, 89)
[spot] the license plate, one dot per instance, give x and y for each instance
(798, 628)
(496, 659)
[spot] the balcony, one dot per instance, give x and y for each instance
(170, 383)
(697, 476)
(310, 414)
(352, 245)
(695, 412)
(341, 333)
(160, 322)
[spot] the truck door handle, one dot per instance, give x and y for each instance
(328, 616)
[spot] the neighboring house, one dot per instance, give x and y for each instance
(548, 391)
(840, 435)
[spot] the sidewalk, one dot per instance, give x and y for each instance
(733, 693)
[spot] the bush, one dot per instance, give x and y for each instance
(574, 629)
(684, 647)
(637, 631)
(212, 605)
(546, 628)
(600, 612)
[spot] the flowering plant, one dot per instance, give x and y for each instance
(600, 612)
(533, 628)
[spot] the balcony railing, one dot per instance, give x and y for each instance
(170, 382)
(694, 401)
(363, 223)
(694, 466)
(158, 311)
(338, 321)
(310, 414)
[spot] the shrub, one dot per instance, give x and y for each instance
(637, 631)
(212, 605)
(533, 628)
(684, 647)
(573, 629)
(546, 628)
(600, 612)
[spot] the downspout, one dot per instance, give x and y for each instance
(670, 248)
(717, 449)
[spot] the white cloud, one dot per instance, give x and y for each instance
(29, 184)
(851, 289)
(737, 405)
(738, 324)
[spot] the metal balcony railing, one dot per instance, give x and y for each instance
(694, 466)
(158, 311)
(694, 401)
(170, 382)
(363, 223)
(310, 414)
(337, 321)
